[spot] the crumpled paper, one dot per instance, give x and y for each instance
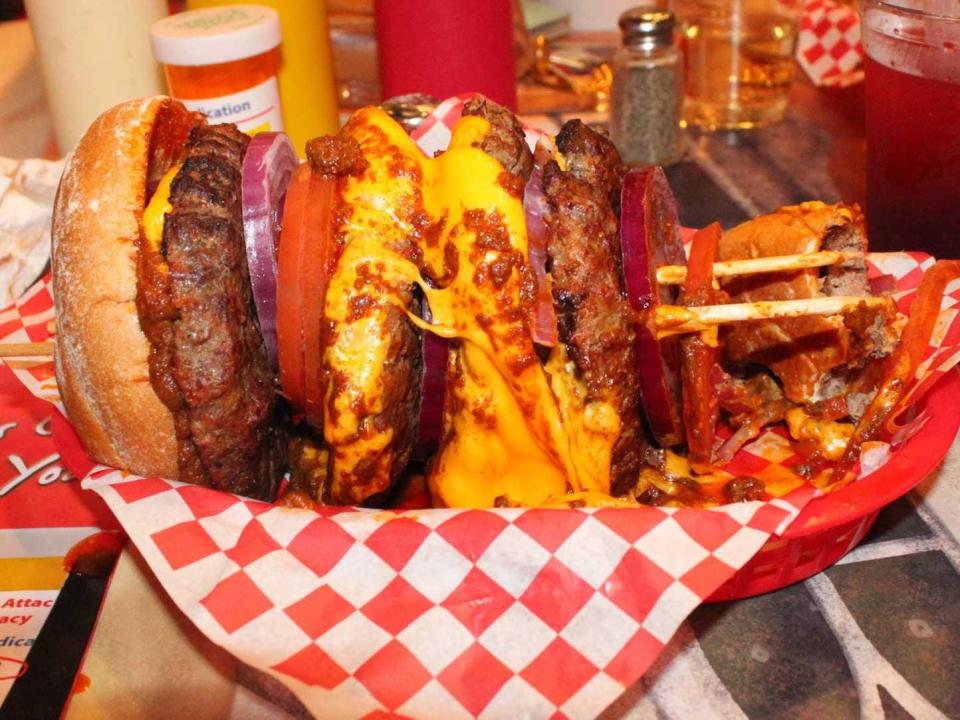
(27, 188)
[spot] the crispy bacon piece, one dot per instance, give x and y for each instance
(594, 316)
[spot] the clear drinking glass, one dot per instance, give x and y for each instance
(739, 60)
(913, 124)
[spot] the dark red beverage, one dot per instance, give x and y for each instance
(913, 161)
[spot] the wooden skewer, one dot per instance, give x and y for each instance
(676, 274)
(667, 319)
(677, 319)
(13, 350)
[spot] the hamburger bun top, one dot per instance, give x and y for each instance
(101, 352)
(790, 230)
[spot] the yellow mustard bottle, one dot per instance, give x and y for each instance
(307, 85)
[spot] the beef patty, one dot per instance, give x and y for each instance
(208, 363)
(505, 140)
(594, 316)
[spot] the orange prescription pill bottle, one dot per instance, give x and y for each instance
(307, 83)
(223, 62)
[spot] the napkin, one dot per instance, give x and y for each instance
(27, 188)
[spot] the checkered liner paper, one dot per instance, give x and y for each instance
(828, 46)
(448, 613)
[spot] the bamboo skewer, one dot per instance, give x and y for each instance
(667, 319)
(676, 274)
(27, 350)
(678, 319)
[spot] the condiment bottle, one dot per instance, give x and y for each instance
(447, 47)
(93, 55)
(307, 84)
(223, 62)
(646, 99)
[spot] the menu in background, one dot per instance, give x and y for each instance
(31, 575)
(43, 513)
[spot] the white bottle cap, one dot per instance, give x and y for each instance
(215, 35)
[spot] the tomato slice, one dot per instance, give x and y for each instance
(318, 254)
(698, 357)
(307, 255)
(703, 253)
(289, 340)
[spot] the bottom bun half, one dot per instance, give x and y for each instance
(101, 353)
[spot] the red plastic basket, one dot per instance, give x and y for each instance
(832, 525)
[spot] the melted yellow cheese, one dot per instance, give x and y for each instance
(469, 132)
(592, 427)
(830, 436)
(492, 453)
(505, 437)
(592, 499)
(157, 208)
(676, 465)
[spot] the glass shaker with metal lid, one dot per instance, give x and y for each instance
(646, 99)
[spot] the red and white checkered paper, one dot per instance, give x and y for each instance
(449, 613)
(828, 47)
(28, 320)
(438, 613)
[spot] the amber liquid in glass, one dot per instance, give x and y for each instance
(913, 162)
(738, 74)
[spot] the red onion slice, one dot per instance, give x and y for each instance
(745, 433)
(267, 166)
(650, 237)
(432, 388)
(535, 209)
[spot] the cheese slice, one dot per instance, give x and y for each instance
(831, 437)
(157, 209)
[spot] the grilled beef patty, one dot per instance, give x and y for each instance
(593, 159)
(505, 140)
(849, 277)
(208, 363)
(595, 320)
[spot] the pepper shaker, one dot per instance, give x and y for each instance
(646, 99)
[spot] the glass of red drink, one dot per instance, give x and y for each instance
(913, 124)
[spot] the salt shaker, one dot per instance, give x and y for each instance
(646, 99)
